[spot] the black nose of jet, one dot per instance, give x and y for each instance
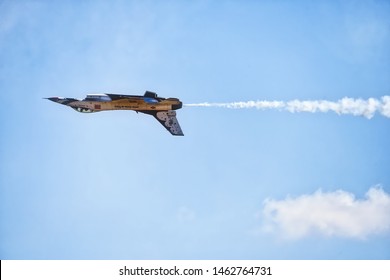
(54, 99)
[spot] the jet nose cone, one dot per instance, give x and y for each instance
(54, 99)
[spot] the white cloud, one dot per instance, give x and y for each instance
(185, 214)
(359, 32)
(366, 31)
(336, 213)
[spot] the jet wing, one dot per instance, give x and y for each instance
(169, 121)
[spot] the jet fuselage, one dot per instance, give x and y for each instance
(163, 109)
(104, 102)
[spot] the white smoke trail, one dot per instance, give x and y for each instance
(346, 105)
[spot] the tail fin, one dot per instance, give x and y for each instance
(169, 121)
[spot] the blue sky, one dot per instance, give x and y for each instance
(241, 183)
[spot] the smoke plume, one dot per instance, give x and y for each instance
(345, 106)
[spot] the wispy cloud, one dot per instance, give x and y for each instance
(329, 214)
(185, 214)
(344, 106)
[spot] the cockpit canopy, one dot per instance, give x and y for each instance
(97, 97)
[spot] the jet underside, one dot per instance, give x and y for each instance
(163, 109)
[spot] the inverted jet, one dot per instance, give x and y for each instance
(163, 109)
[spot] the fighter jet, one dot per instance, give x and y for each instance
(163, 109)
